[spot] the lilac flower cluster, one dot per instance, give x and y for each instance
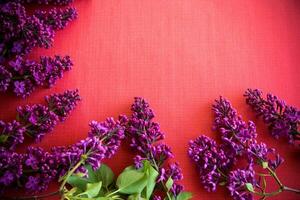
(56, 18)
(63, 104)
(111, 132)
(19, 34)
(145, 135)
(37, 120)
(210, 159)
(11, 134)
(36, 168)
(217, 163)
(22, 76)
(283, 120)
(46, 2)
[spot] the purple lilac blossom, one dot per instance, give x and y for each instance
(36, 168)
(237, 184)
(23, 75)
(46, 2)
(10, 167)
(283, 120)
(57, 18)
(210, 160)
(5, 79)
(63, 103)
(38, 120)
(111, 133)
(235, 133)
(20, 33)
(36, 160)
(238, 142)
(11, 134)
(144, 135)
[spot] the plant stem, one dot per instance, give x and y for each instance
(157, 169)
(285, 188)
(70, 173)
(268, 194)
(273, 174)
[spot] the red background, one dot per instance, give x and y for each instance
(180, 56)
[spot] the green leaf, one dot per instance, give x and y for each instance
(92, 189)
(264, 165)
(131, 167)
(184, 196)
(105, 174)
(151, 174)
(131, 181)
(102, 198)
(249, 187)
(169, 183)
(135, 197)
(77, 181)
(92, 177)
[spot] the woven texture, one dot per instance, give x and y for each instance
(180, 56)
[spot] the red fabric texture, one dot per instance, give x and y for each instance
(180, 55)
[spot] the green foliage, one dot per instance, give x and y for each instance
(131, 184)
(138, 181)
(184, 196)
(169, 183)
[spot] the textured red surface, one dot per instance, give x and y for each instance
(180, 56)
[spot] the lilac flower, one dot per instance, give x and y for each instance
(21, 32)
(37, 33)
(24, 75)
(11, 134)
(10, 167)
(259, 152)
(66, 157)
(238, 141)
(23, 88)
(138, 161)
(54, 68)
(46, 2)
(57, 18)
(210, 160)
(63, 104)
(38, 120)
(161, 153)
(237, 184)
(12, 20)
(43, 169)
(235, 133)
(94, 151)
(110, 132)
(283, 120)
(5, 79)
(172, 171)
(144, 135)
(142, 131)
(176, 189)
(36, 168)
